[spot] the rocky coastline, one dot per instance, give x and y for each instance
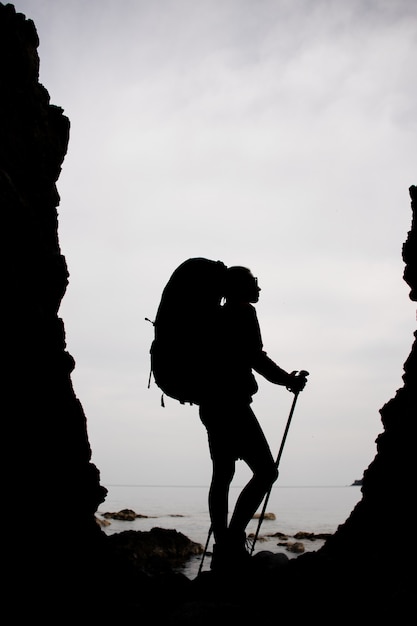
(160, 550)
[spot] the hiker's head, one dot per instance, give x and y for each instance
(241, 285)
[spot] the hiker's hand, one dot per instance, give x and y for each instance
(298, 381)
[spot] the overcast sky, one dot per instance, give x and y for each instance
(275, 134)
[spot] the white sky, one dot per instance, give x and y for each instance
(276, 134)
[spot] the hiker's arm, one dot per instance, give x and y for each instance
(275, 374)
(265, 366)
(270, 370)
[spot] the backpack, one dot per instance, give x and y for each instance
(185, 329)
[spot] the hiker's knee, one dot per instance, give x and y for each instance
(274, 474)
(267, 475)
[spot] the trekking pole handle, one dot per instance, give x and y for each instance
(302, 374)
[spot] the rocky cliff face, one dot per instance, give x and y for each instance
(45, 441)
(66, 568)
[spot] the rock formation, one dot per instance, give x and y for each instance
(48, 455)
(67, 567)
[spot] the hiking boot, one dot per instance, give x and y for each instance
(231, 553)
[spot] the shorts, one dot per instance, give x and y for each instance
(234, 433)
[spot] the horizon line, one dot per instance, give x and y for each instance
(232, 486)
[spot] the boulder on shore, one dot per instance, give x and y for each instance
(156, 551)
(126, 515)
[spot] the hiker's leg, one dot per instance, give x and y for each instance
(258, 457)
(215, 418)
(223, 472)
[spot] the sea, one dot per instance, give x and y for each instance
(184, 508)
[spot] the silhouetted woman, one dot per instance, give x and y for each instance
(232, 428)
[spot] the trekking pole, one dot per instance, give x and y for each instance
(205, 550)
(294, 402)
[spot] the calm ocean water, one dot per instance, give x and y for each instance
(184, 508)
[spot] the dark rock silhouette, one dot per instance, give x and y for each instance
(125, 514)
(154, 552)
(48, 453)
(71, 569)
